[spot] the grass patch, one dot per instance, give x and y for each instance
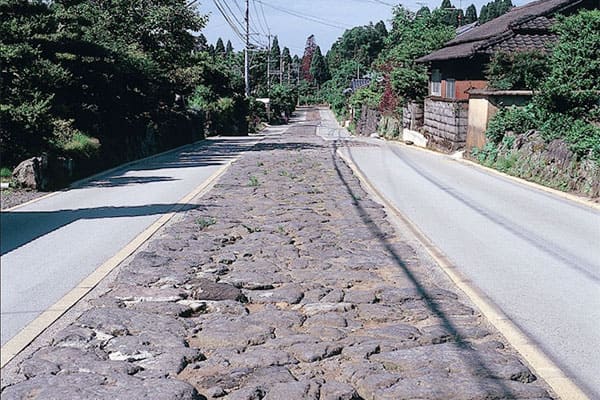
(204, 223)
(5, 174)
(253, 181)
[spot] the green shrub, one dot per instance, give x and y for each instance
(82, 145)
(515, 119)
(517, 70)
(583, 138)
(70, 141)
(5, 173)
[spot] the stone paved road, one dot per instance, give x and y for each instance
(286, 282)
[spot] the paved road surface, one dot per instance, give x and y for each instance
(536, 255)
(50, 246)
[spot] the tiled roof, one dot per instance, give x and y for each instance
(517, 28)
(536, 24)
(522, 42)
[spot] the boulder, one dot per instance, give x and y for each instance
(32, 173)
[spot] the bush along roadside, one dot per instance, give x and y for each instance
(528, 155)
(554, 140)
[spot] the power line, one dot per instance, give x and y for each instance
(262, 11)
(304, 16)
(227, 18)
(260, 24)
(233, 21)
(231, 13)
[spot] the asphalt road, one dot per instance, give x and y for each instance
(48, 247)
(535, 254)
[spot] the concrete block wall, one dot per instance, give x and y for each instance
(445, 123)
(413, 116)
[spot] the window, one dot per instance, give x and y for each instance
(450, 88)
(436, 83)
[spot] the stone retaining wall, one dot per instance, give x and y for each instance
(551, 164)
(445, 123)
(368, 121)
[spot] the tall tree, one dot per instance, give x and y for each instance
(471, 14)
(362, 44)
(220, 47)
(286, 60)
(424, 12)
(381, 29)
(229, 48)
(318, 67)
(483, 14)
(450, 15)
(275, 50)
(309, 51)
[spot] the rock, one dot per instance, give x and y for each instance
(135, 294)
(209, 290)
(32, 173)
(333, 390)
(290, 294)
(361, 350)
(120, 322)
(94, 386)
(237, 334)
(318, 308)
(306, 352)
(436, 387)
(334, 320)
(452, 359)
(292, 391)
(56, 360)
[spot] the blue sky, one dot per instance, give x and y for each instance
(293, 30)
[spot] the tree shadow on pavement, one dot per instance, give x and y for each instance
(20, 228)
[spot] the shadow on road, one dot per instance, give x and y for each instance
(19, 228)
(476, 363)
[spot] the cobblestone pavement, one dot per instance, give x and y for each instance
(287, 282)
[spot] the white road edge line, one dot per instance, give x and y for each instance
(544, 367)
(584, 201)
(28, 334)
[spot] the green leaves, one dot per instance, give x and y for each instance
(509, 71)
(566, 105)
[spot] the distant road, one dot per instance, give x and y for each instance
(50, 246)
(536, 255)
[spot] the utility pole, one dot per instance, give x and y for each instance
(281, 69)
(269, 64)
(246, 55)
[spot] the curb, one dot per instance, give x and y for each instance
(32, 330)
(564, 195)
(563, 386)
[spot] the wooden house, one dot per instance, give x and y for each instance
(458, 68)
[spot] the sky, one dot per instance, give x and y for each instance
(294, 20)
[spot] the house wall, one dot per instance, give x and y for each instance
(445, 123)
(463, 86)
(480, 112)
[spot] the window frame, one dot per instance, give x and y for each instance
(450, 84)
(435, 88)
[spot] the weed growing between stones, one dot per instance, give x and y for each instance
(204, 223)
(253, 181)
